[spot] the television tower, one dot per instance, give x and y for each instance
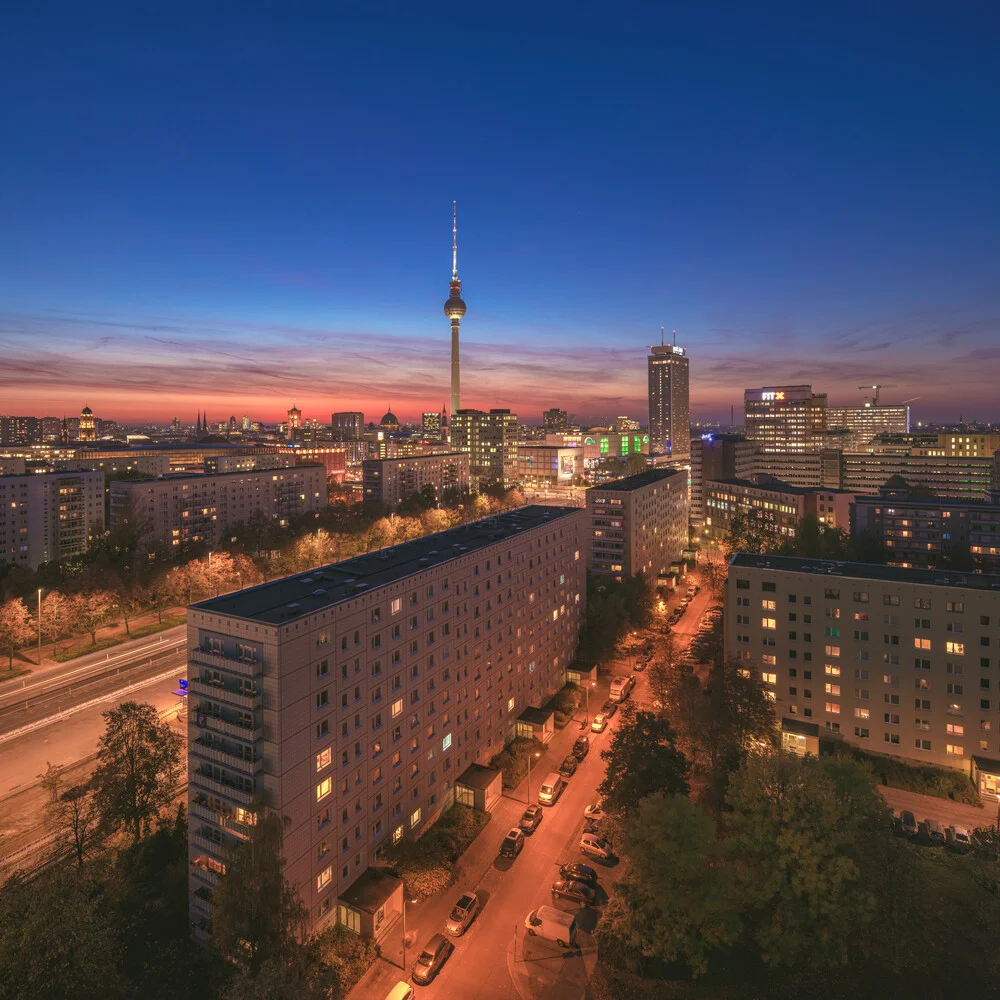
(454, 309)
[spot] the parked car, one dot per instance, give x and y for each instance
(568, 767)
(595, 847)
(581, 747)
(462, 914)
(958, 838)
(935, 832)
(512, 845)
(553, 925)
(401, 991)
(595, 810)
(599, 724)
(577, 892)
(592, 825)
(530, 819)
(640, 665)
(608, 709)
(430, 960)
(908, 823)
(577, 871)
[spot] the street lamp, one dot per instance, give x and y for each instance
(587, 689)
(530, 755)
(39, 626)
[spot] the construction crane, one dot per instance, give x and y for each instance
(910, 400)
(877, 387)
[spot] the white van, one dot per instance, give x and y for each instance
(553, 925)
(550, 790)
(401, 991)
(621, 688)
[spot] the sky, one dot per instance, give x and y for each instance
(231, 207)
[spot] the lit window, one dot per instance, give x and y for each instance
(323, 758)
(833, 708)
(397, 834)
(414, 818)
(955, 648)
(397, 707)
(324, 878)
(323, 789)
(768, 623)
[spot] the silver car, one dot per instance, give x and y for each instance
(462, 914)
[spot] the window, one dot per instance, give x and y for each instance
(768, 587)
(954, 750)
(955, 648)
(323, 668)
(323, 758)
(414, 818)
(768, 623)
(862, 713)
(832, 650)
(953, 729)
(891, 600)
(891, 737)
(921, 643)
(955, 607)
(860, 597)
(768, 605)
(769, 678)
(861, 733)
(323, 789)
(742, 584)
(322, 698)
(324, 878)
(397, 707)
(832, 689)
(833, 708)
(322, 728)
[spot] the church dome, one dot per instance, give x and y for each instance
(87, 412)
(389, 420)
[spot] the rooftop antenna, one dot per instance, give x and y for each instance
(454, 240)
(675, 338)
(661, 336)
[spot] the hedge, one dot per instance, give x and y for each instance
(926, 779)
(513, 760)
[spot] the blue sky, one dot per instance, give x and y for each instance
(235, 206)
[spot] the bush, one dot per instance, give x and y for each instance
(561, 720)
(425, 865)
(923, 778)
(513, 759)
(342, 958)
(566, 700)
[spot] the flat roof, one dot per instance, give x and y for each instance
(372, 890)
(536, 716)
(798, 727)
(303, 594)
(478, 776)
(175, 477)
(868, 571)
(902, 500)
(779, 486)
(638, 481)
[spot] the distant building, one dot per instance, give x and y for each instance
(638, 524)
(490, 441)
(716, 456)
(543, 466)
(332, 456)
(431, 425)
(900, 662)
(49, 516)
(20, 430)
(669, 407)
(970, 477)
(390, 422)
(215, 464)
(348, 425)
(785, 418)
(776, 507)
(293, 424)
(179, 510)
(342, 695)
(864, 423)
(932, 532)
(626, 425)
(806, 468)
(13, 466)
(390, 481)
(555, 420)
(87, 428)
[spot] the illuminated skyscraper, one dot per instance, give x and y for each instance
(785, 418)
(669, 410)
(454, 309)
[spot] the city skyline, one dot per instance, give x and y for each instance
(207, 251)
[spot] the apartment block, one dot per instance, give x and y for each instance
(183, 509)
(638, 524)
(864, 423)
(777, 507)
(362, 699)
(903, 662)
(20, 430)
(490, 441)
(46, 517)
(390, 481)
(215, 464)
(972, 477)
(933, 531)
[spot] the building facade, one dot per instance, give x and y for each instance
(716, 456)
(864, 423)
(555, 420)
(785, 418)
(932, 531)
(215, 464)
(638, 524)
(348, 425)
(669, 405)
(197, 509)
(390, 481)
(20, 430)
(362, 699)
(776, 507)
(490, 441)
(543, 466)
(45, 517)
(902, 662)
(969, 477)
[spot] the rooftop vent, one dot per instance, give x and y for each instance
(319, 593)
(362, 586)
(292, 605)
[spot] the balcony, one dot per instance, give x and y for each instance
(245, 668)
(206, 752)
(222, 694)
(214, 849)
(248, 733)
(209, 784)
(227, 823)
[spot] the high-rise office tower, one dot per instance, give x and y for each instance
(669, 409)
(555, 420)
(348, 425)
(785, 418)
(431, 424)
(490, 440)
(454, 309)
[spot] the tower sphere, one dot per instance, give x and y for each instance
(454, 308)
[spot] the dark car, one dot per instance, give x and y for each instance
(609, 708)
(591, 825)
(430, 960)
(530, 819)
(640, 665)
(512, 844)
(908, 823)
(578, 892)
(568, 767)
(581, 747)
(577, 871)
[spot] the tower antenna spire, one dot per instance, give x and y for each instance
(675, 338)
(454, 240)
(661, 336)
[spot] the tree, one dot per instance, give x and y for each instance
(640, 760)
(257, 916)
(802, 835)
(15, 628)
(132, 600)
(58, 617)
(676, 901)
(138, 767)
(93, 610)
(747, 533)
(77, 820)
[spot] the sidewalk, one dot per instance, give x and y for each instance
(426, 918)
(945, 811)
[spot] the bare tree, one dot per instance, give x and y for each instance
(77, 821)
